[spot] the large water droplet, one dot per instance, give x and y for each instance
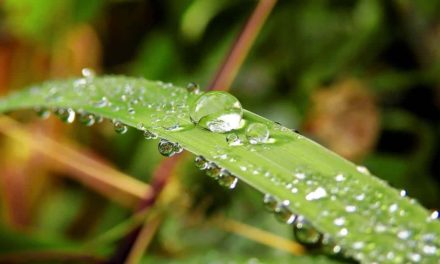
(257, 133)
(283, 213)
(216, 111)
(226, 179)
(305, 233)
(119, 127)
(65, 115)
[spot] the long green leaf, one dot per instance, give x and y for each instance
(371, 221)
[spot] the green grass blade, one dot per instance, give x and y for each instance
(370, 220)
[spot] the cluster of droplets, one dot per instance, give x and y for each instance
(303, 231)
(223, 176)
(364, 206)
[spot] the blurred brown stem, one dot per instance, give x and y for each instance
(240, 49)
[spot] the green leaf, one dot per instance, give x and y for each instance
(371, 221)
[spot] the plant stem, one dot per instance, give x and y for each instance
(240, 49)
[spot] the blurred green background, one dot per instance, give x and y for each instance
(360, 77)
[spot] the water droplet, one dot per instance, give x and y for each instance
(257, 133)
(283, 213)
(201, 163)
(103, 102)
(65, 115)
(88, 73)
(227, 180)
(403, 193)
(42, 112)
(363, 170)
(403, 234)
(270, 203)
(233, 139)
(166, 148)
(434, 215)
(316, 194)
(119, 127)
(131, 111)
(213, 170)
(193, 88)
(149, 135)
(340, 221)
(340, 177)
(429, 249)
(350, 208)
(216, 111)
(305, 233)
(414, 257)
(87, 119)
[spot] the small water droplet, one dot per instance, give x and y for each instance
(131, 111)
(149, 135)
(227, 180)
(201, 163)
(283, 213)
(103, 102)
(316, 194)
(340, 177)
(403, 193)
(119, 127)
(233, 139)
(166, 148)
(429, 249)
(270, 203)
(340, 221)
(88, 73)
(213, 170)
(434, 215)
(363, 170)
(193, 88)
(42, 112)
(66, 115)
(305, 233)
(350, 208)
(87, 119)
(216, 111)
(257, 133)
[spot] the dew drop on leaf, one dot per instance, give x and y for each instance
(305, 233)
(87, 119)
(88, 73)
(283, 213)
(166, 148)
(216, 111)
(213, 170)
(193, 88)
(42, 112)
(149, 135)
(226, 179)
(233, 140)
(270, 203)
(257, 133)
(66, 115)
(201, 163)
(119, 127)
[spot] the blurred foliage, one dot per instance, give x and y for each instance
(390, 49)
